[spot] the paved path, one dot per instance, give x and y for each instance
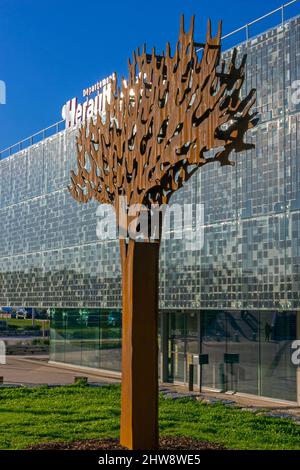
(23, 370)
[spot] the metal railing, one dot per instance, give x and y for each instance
(59, 126)
(33, 139)
(247, 26)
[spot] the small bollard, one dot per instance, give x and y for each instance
(80, 379)
(222, 378)
(191, 377)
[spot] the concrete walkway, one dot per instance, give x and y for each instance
(36, 370)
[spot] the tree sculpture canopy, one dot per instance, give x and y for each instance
(160, 123)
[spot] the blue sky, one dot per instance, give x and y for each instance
(51, 49)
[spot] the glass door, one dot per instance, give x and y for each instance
(183, 345)
(192, 346)
(242, 359)
(278, 374)
(213, 344)
(176, 347)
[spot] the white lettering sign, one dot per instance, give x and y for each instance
(75, 113)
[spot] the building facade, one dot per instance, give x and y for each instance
(232, 303)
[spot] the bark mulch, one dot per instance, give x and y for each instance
(165, 443)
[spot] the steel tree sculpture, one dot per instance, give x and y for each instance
(156, 131)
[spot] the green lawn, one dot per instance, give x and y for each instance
(74, 412)
(26, 323)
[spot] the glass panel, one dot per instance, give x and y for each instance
(90, 338)
(73, 319)
(192, 341)
(243, 345)
(213, 337)
(278, 374)
(87, 337)
(58, 336)
(110, 340)
(177, 346)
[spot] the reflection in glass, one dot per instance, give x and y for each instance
(248, 351)
(278, 374)
(86, 337)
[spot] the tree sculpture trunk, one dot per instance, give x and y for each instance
(139, 399)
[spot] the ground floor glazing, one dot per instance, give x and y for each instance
(240, 351)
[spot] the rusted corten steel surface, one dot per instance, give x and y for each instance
(161, 122)
(157, 129)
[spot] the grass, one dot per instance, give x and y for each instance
(26, 323)
(33, 415)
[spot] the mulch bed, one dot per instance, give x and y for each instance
(165, 443)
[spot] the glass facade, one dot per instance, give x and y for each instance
(86, 337)
(246, 275)
(247, 351)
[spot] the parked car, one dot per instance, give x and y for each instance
(6, 309)
(21, 314)
(28, 312)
